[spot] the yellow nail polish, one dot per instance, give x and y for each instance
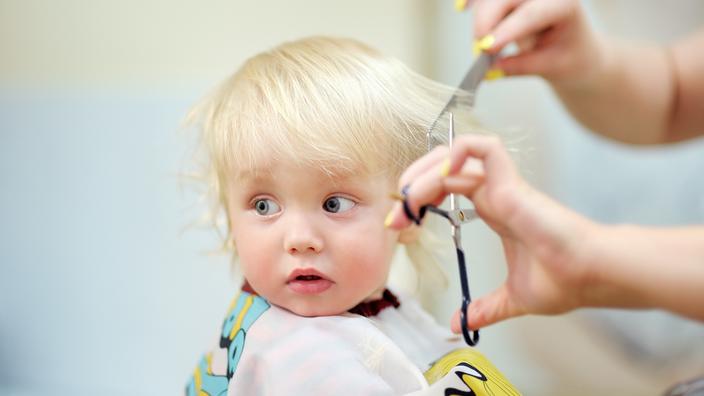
(396, 196)
(388, 219)
(494, 74)
(486, 42)
(476, 50)
(445, 168)
(460, 5)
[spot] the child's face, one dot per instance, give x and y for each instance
(311, 244)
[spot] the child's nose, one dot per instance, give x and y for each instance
(302, 236)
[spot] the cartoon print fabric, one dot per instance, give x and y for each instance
(467, 372)
(266, 350)
(243, 311)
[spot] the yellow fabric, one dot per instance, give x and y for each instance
(474, 370)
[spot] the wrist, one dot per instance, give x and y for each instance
(583, 260)
(566, 243)
(586, 259)
(608, 273)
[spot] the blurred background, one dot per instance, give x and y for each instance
(107, 288)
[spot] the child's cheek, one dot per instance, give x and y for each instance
(368, 252)
(254, 254)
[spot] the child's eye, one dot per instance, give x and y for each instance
(338, 204)
(266, 207)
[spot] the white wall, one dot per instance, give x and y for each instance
(176, 44)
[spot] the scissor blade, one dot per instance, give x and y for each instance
(475, 74)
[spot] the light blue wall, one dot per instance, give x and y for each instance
(101, 292)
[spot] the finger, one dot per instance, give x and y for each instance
(527, 43)
(455, 323)
(488, 149)
(461, 5)
(433, 159)
(433, 189)
(396, 218)
(538, 62)
(427, 185)
(465, 184)
(465, 173)
(490, 309)
(427, 188)
(529, 19)
(430, 164)
(432, 185)
(489, 13)
(472, 167)
(467, 180)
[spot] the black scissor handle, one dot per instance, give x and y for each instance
(471, 337)
(407, 209)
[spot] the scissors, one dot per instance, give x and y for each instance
(456, 215)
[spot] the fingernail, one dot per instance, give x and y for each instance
(389, 218)
(485, 43)
(460, 5)
(445, 168)
(494, 74)
(396, 196)
(476, 50)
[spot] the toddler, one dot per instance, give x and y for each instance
(305, 142)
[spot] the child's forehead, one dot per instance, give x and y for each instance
(331, 175)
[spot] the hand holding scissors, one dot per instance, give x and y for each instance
(541, 239)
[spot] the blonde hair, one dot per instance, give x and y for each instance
(331, 103)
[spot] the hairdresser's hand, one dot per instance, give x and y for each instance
(540, 237)
(553, 36)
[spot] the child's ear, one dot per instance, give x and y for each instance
(409, 235)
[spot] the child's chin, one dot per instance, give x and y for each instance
(312, 311)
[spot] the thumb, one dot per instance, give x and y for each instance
(492, 308)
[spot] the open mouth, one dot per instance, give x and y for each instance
(308, 277)
(308, 281)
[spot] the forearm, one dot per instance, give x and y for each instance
(646, 267)
(627, 95)
(640, 93)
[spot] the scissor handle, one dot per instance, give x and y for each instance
(471, 337)
(407, 209)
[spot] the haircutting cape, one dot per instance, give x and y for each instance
(266, 350)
